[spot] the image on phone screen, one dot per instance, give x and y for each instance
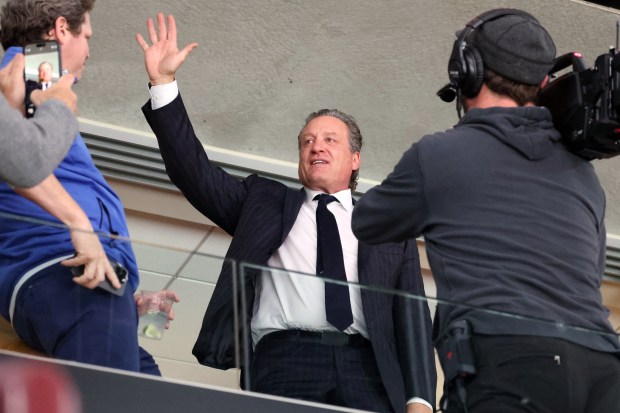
(42, 69)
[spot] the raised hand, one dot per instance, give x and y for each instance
(163, 58)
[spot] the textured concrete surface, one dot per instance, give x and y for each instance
(263, 65)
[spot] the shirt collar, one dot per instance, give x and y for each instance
(344, 197)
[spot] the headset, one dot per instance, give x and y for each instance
(465, 67)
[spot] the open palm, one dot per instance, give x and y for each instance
(163, 58)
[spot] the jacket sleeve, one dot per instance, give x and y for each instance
(33, 148)
(395, 210)
(413, 330)
(211, 190)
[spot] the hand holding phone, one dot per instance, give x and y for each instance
(42, 69)
(120, 271)
(60, 91)
(12, 82)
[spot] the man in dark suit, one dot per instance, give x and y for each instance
(382, 358)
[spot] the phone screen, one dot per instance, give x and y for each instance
(42, 68)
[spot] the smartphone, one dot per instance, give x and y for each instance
(42, 68)
(121, 273)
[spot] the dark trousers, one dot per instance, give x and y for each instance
(342, 375)
(66, 321)
(518, 374)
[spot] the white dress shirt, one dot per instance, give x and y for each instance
(295, 299)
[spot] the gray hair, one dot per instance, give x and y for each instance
(355, 136)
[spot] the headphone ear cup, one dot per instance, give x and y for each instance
(455, 67)
(474, 71)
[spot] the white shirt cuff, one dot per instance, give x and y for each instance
(422, 401)
(161, 95)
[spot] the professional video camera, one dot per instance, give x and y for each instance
(585, 104)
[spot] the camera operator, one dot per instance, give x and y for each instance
(513, 223)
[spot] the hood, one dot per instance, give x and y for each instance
(529, 130)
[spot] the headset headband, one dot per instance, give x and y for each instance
(466, 72)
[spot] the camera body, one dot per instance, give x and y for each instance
(585, 104)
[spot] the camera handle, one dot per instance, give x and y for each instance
(572, 58)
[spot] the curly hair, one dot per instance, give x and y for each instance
(27, 21)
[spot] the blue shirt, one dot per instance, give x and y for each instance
(24, 244)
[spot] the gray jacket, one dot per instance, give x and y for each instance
(33, 148)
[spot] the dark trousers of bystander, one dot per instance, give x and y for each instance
(528, 374)
(66, 321)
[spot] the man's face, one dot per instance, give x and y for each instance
(45, 73)
(74, 51)
(325, 158)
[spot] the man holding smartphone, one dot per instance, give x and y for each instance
(47, 305)
(33, 148)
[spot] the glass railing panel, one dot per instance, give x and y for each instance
(186, 271)
(452, 340)
(397, 324)
(193, 274)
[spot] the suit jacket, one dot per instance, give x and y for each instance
(32, 85)
(259, 213)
